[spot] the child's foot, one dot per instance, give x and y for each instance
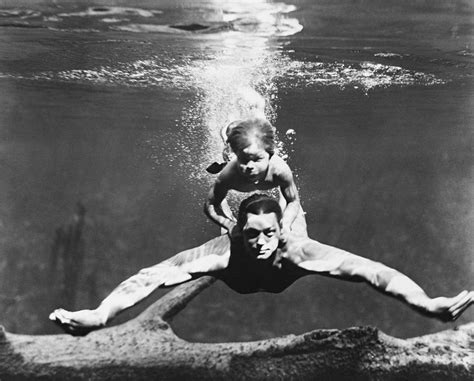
(77, 323)
(215, 167)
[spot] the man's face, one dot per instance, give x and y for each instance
(261, 234)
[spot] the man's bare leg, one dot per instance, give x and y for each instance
(208, 257)
(332, 261)
(125, 295)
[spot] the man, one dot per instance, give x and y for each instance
(259, 258)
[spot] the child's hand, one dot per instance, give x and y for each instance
(233, 231)
(279, 254)
(285, 232)
(277, 259)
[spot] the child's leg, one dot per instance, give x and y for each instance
(224, 132)
(227, 211)
(299, 227)
(227, 153)
(281, 199)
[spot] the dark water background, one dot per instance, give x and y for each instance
(122, 116)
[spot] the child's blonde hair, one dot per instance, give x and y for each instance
(244, 132)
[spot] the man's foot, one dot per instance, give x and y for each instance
(77, 323)
(449, 309)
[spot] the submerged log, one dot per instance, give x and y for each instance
(146, 348)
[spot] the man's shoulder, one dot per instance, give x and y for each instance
(295, 247)
(304, 249)
(295, 240)
(219, 246)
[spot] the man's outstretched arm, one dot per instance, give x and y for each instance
(209, 257)
(335, 262)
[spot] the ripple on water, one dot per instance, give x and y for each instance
(292, 74)
(19, 13)
(389, 55)
(466, 53)
(91, 19)
(364, 75)
(264, 19)
(109, 11)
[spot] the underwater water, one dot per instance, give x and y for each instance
(119, 107)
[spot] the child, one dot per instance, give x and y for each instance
(248, 104)
(255, 166)
(227, 153)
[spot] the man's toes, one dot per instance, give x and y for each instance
(64, 326)
(463, 299)
(458, 312)
(62, 316)
(70, 326)
(471, 297)
(56, 316)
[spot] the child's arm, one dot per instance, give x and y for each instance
(213, 205)
(290, 193)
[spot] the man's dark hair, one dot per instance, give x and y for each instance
(258, 204)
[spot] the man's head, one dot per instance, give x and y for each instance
(259, 220)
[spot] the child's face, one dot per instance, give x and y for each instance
(253, 161)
